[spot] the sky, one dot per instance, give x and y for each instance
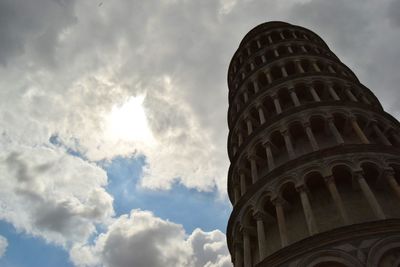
(113, 120)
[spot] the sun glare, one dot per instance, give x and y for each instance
(128, 122)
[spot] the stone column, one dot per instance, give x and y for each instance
(350, 95)
(365, 99)
(269, 39)
(394, 135)
(314, 94)
(358, 130)
(261, 236)
(294, 97)
(240, 139)
(255, 85)
(315, 66)
(277, 104)
(248, 51)
(280, 215)
(234, 150)
(294, 35)
(276, 53)
(332, 92)
(369, 195)
(269, 78)
(252, 66)
(330, 182)
(247, 249)
(288, 143)
(270, 157)
(249, 125)
(242, 183)
(245, 97)
(308, 213)
(284, 72)
(303, 49)
(311, 136)
(263, 59)
(330, 68)
(393, 183)
(258, 43)
(379, 133)
(281, 35)
(289, 48)
(238, 256)
(236, 191)
(335, 131)
(298, 66)
(260, 113)
(253, 166)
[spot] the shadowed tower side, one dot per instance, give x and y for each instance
(315, 160)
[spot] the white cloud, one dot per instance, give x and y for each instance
(141, 239)
(46, 193)
(3, 245)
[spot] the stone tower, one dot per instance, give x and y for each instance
(315, 160)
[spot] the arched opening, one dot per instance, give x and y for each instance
(250, 224)
(300, 141)
(256, 118)
(263, 40)
(258, 61)
(321, 202)
(253, 47)
(295, 48)
(306, 65)
(319, 128)
(352, 197)
(287, 34)
(269, 55)
(284, 99)
(296, 222)
(278, 148)
(393, 137)
(275, 37)
(271, 225)
(303, 94)
(262, 79)
(343, 126)
(283, 51)
(260, 153)
(269, 107)
(276, 73)
(322, 92)
(377, 182)
(290, 68)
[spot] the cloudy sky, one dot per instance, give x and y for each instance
(113, 120)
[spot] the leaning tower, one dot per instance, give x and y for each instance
(315, 160)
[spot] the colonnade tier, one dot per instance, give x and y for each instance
(311, 129)
(316, 87)
(266, 105)
(354, 184)
(267, 73)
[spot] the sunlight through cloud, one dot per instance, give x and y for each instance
(128, 122)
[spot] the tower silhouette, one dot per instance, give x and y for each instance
(315, 160)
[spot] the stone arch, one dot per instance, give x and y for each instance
(330, 258)
(296, 221)
(385, 253)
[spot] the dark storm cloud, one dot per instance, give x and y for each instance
(394, 12)
(34, 23)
